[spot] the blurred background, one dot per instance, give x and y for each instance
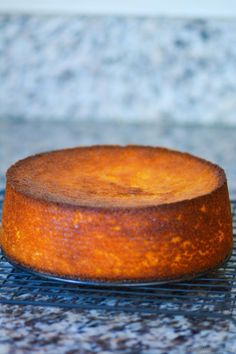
(127, 72)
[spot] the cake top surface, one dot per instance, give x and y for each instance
(114, 176)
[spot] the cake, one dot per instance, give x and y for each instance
(116, 214)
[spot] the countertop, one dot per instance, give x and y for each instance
(126, 67)
(51, 330)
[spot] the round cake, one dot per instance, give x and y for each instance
(117, 214)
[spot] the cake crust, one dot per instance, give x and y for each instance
(93, 239)
(96, 179)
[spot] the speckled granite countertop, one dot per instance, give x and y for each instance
(51, 330)
(118, 67)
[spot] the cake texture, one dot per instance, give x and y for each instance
(117, 214)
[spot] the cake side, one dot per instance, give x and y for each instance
(161, 242)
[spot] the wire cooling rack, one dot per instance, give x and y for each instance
(213, 295)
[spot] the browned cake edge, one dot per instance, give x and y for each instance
(219, 172)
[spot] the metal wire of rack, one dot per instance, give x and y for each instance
(213, 295)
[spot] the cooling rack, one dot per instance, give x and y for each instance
(212, 295)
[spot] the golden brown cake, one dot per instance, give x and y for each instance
(112, 213)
